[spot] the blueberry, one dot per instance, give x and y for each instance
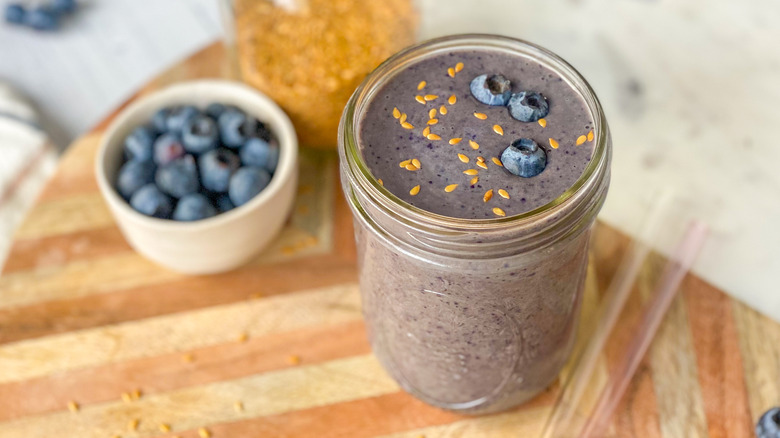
(524, 158)
(167, 147)
(160, 119)
(200, 135)
(491, 90)
(179, 116)
(224, 203)
(254, 128)
(64, 6)
(15, 13)
(216, 167)
(150, 201)
(231, 128)
(246, 183)
(178, 178)
(528, 106)
(138, 145)
(768, 425)
(193, 207)
(43, 18)
(257, 152)
(133, 175)
(214, 110)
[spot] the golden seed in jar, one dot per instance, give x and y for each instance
(474, 145)
(482, 164)
(455, 140)
(497, 162)
(426, 131)
(553, 143)
(498, 129)
(432, 137)
(590, 135)
(474, 180)
(416, 162)
(407, 125)
(487, 196)
(450, 188)
(430, 97)
(420, 99)
(415, 190)
(421, 85)
(433, 121)
(402, 119)
(443, 110)
(451, 72)
(452, 100)
(396, 113)
(581, 139)
(381, 183)
(498, 212)
(458, 67)
(471, 172)
(404, 163)
(411, 167)
(432, 113)
(480, 116)
(503, 193)
(481, 159)
(463, 158)
(543, 123)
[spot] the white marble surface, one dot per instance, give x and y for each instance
(690, 88)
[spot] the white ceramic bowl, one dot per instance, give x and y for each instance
(227, 240)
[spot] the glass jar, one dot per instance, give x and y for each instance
(471, 315)
(309, 55)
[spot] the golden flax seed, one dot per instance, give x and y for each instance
(543, 123)
(463, 158)
(497, 162)
(416, 162)
(450, 188)
(590, 135)
(430, 97)
(426, 131)
(294, 359)
(204, 433)
(402, 119)
(458, 67)
(433, 121)
(498, 212)
(581, 139)
(381, 183)
(443, 110)
(474, 180)
(421, 85)
(451, 72)
(455, 140)
(482, 164)
(553, 143)
(242, 337)
(433, 137)
(238, 406)
(411, 167)
(480, 158)
(474, 145)
(471, 172)
(136, 394)
(432, 113)
(420, 99)
(415, 190)
(73, 406)
(404, 163)
(480, 116)
(503, 193)
(126, 397)
(187, 358)
(133, 424)
(452, 100)
(407, 125)
(396, 113)
(498, 129)
(164, 427)
(487, 196)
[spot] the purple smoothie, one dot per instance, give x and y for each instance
(467, 315)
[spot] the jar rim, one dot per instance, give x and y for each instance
(362, 175)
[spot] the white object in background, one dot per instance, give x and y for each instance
(227, 240)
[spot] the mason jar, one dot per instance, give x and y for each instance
(471, 315)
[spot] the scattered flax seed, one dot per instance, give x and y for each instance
(411, 167)
(590, 135)
(133, 424)
(482, 164)
(126, 397)
(503, 193)
(471, 172)
(407, 125)
(402, 119)
(487, 196)
(404, 163)
(420, 99)
(480, 116)
(433, 121)
(426, 131)
(396, 113)
(497, 162)
(452, 100)
(115, 436)
(450, 188)
(294, 359)
(481, 159)
(187, 358)
(543, 123)
(73, 406)
(443, 110)
(458, 67)
(415, 190)
(433, 137)
(581, 139)
(430, 97)
(455, 140)
(451, 72)
(204, 433)
(498, 212)
(553, 143)
(254, 296)
(463, 158)
(421, 85)
(416, 162)
(474, 145)
(242, 337)
(288, 250)
(432, 113)
(498, 129)
(165, 427)
(238, 406)
(381, 183)
(136, 394)
(474, 180)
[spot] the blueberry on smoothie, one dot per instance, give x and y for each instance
(167, 147)
(179, 116)
(42, 18)
(149, 200)
(259, 153)
(64, 6)
(768, 425)
(246, 183)
(138, 145)
(200, 135)
(528, 106)
(524, 158)
(216, 168)
(178, 178)
(491, 90)
(15, 13)
(193, 207)
(133, 175)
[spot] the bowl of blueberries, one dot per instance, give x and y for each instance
(199, 176)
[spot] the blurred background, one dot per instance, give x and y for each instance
(689, 88)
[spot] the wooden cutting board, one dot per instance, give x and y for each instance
(278, 349)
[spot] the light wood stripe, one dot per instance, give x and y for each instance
(263, 394)
(673, 364)
(179, 332)
(67, 215)
(637, 415)
(523, 423)
(75, 171)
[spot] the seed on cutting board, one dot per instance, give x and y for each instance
(482, 164)
(503, 193)
(415, 190)
(402, 119)
(404, 163)
(416, 162)
(498, 129)
(238, 406)
(242, 337)
(455, 140)
(433, 137)
(420, 99)
(451, 72)
(433, 121)
(73, 406)
(581, 139)
(204, 433)
(474, 180)
(471, 172)
(463, 158)
(426, 131)
(164, 427)
(421, 85)
(432, 113)
(458, 67)
(487, 196)
(474, 145)
(450, 188)
(187, 358)
(136, 394)
(542, 122)
(480, 116)
(407, 125)
(133, 424)
(294, 359)
(430, 97)
(452, 100)
(553, 143)
(396, 113)
(126, 397)
(590, 135)
(498, 212)
(443, 110)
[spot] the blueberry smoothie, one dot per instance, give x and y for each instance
(473, 249)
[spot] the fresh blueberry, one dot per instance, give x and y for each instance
(200, 135)
(133, 175)
(524, 158)
(64, 6)
(231, 128)
(179, 116)
(193, 207)
(768, 425)
(167, 148)
(150, 201)
(259, 153)
(160, 119)
(246, 183)
(224, 203)
(214, 110)
(43, 18)
(491, 90)
(216, 167)
(528, 106)
(254, 128)
(15, 13)
(138, 145)
(178, 178)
